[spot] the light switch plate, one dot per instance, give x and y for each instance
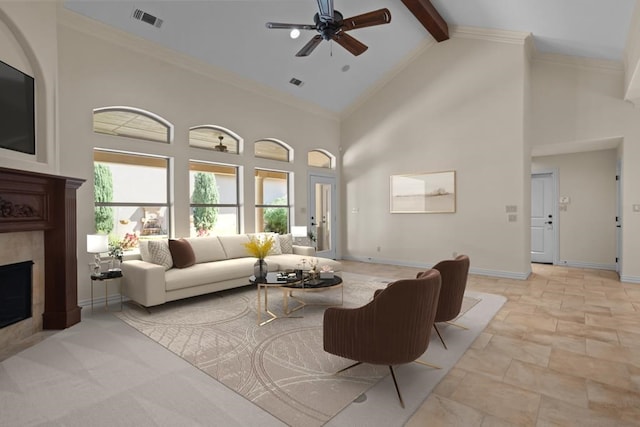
(636, 208)
(565, 199)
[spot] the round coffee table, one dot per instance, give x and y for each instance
(271, 281)
(310, 285)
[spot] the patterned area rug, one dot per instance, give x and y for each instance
(280, 366)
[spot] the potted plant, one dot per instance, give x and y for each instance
(260, 248)
(115, 252)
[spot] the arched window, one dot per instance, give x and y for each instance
(132, 122)
(273, 149)
(320, 159)
(214, 138)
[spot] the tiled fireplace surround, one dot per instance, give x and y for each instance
(18, 247)
(46, 235)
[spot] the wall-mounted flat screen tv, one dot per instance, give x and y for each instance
(17, 113)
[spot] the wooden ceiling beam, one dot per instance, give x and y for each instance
(429, 17)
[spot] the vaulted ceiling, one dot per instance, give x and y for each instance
(232, 34)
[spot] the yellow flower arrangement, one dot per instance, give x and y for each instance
(259, 248)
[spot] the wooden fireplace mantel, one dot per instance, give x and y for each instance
(31, 201)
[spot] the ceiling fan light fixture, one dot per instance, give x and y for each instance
(221, 147)
(295, 33)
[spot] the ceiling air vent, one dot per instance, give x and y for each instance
(296, 82)
(143, 16)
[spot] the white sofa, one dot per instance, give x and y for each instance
(221, 262)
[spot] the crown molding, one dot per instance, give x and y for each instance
(580, 146)
(500, 36)
(91, 27)
(579, 62)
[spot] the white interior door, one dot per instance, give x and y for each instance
(542, 220)
(322, 214)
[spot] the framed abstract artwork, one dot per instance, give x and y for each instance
(429, 192)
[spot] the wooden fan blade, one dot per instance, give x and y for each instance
(351, 44)
(326, 10)
(369, 19)
(283, 26)
(309, 47)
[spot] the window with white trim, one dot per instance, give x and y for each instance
(131, 195)
(132, 122)
(272, 201)
(213, 190)
(272, 149)
(320, 159)
(214, 138)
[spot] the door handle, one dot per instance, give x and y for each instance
(549, 222)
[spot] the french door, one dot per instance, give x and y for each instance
(323, 214)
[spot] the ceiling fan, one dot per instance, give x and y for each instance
(333, 26)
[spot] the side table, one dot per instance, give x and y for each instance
(106, 277)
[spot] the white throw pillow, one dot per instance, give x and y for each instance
(286, 243)
(160, 253)
(143, 246)
(276, 249)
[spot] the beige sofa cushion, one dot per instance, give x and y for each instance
(207, 248)
(233, 245)
(209, 272)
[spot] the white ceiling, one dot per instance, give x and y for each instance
(232, 35)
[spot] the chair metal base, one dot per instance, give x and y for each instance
(431, 365)
(452, 324)
(393, 375)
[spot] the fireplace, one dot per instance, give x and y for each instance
(38, 211)
(15, 292)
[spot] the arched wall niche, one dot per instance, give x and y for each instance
(17, 51)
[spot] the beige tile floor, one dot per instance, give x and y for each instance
(564, 350)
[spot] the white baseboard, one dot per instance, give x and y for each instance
(592, 265)
(630, 279)
(501, 274)
(478, 271)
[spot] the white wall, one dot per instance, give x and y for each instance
(632, 58)
(106, 68)
(580, 104)
(28, 42)
(459, 106)
(587, 229)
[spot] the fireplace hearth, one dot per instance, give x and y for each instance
(15, 292)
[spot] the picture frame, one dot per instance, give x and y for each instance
(428, 192)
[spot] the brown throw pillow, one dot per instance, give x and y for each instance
(182, 253)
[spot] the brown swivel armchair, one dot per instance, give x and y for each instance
(454, 282)
(393, 328)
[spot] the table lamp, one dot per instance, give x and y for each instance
(97, 244)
